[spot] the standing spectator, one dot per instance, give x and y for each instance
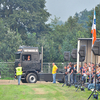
(93, 72)
(90, 72)
(54, 69)
(80, 70)
(19, 73)
(68, 74)
(71, 73)
(98, 73)
(65, 74)
(84, 74)
(75, 71)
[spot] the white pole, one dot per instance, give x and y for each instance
(78, 55)
(91, 64)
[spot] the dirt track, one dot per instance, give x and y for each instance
(15, 82)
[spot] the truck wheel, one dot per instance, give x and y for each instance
(31, 78)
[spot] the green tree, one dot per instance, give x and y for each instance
(25, 16)
(31, 39)
(75, 31)
(3, 30)
(9, 45)
(84, 17)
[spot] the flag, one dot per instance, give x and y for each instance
(93, 30)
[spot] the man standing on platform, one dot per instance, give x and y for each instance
(54, 69)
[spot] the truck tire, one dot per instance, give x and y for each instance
(31, 78)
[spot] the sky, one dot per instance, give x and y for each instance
(66, 8)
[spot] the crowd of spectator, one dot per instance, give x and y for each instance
(87, 71)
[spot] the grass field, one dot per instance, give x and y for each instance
(42, 91)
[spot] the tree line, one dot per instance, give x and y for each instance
(23, 22)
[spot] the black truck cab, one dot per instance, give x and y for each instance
(29, 57)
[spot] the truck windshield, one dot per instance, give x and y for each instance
(17, 56)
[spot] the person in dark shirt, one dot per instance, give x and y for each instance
(75, 71)
(71, 73)
(65, 74)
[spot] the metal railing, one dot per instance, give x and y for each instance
(7, 69)
(47, 67)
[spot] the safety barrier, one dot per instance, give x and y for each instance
(7, 69)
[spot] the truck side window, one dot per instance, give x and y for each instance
(26, 57)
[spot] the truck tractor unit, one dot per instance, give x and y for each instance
(30, 59)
